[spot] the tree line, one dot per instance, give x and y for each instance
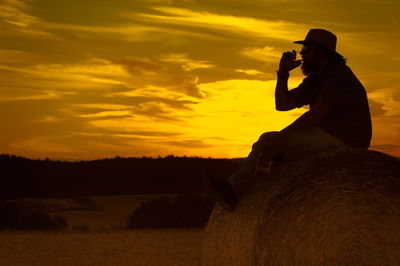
(22, 177)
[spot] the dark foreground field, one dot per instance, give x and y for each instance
(97, 234)
(134, 247)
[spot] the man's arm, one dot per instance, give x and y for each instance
(283, 101)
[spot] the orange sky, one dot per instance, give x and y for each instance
(94, 79)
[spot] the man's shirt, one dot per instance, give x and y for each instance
(349, 118)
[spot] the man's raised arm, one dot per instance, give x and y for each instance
(283, 101)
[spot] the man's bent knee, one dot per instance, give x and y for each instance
(265, 140)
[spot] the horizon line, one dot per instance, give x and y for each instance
(117, 157)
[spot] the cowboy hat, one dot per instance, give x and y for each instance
(320, 37)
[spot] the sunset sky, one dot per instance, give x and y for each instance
(94, 78)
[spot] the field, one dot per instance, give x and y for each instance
(136, 247)
(95, 213)
(97, 235)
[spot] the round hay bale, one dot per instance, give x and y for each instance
(339, 207)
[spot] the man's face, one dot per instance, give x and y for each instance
(310, 57)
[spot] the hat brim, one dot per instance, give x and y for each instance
(307, 42)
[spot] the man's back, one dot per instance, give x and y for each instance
(349, 118)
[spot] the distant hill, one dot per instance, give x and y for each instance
(21, 177)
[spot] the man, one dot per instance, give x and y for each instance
(338, 115)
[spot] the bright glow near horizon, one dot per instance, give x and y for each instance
(155, 77)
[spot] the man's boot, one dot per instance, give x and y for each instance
(221, 190)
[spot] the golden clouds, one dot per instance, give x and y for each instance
(163, 76)
(91, 73)
(88, 93)
(31, 95)
(93, 66)
(14, 57)
(283, 30)
(251, 72)
(130, 73)
(14, 12)
(389, 99)
(266, 54)
(107, 114)
(187, 64)
(167, 75)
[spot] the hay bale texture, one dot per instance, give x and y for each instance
(340, 207)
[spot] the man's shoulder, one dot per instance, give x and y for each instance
(338, 71)
(341, 75)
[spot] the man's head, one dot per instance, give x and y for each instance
(319, 47)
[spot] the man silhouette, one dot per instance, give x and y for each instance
(338, 115)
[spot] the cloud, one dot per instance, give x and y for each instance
(376, 108)
(387, 99)
(92, 66)
(169, 76)
(9, 56)
(135, 74)
(52, 105)
(85, 129)
(378, 79)
(126, 32)
(14, 12)
(250, 72)
(194, 143)
(140, 108)
(70, 77)
(19, 22)
(108, 114)
(281, 30)
(186, 63)
(26, 96)
(136, 133)
(265, 54)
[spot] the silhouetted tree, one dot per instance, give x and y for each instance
(187, 211)
(21, 177)
(15, 217)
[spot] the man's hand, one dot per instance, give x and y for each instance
(288, 62)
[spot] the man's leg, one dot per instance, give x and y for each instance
(307, 142)
(241, 179)
(227, 192)
(296, 146)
